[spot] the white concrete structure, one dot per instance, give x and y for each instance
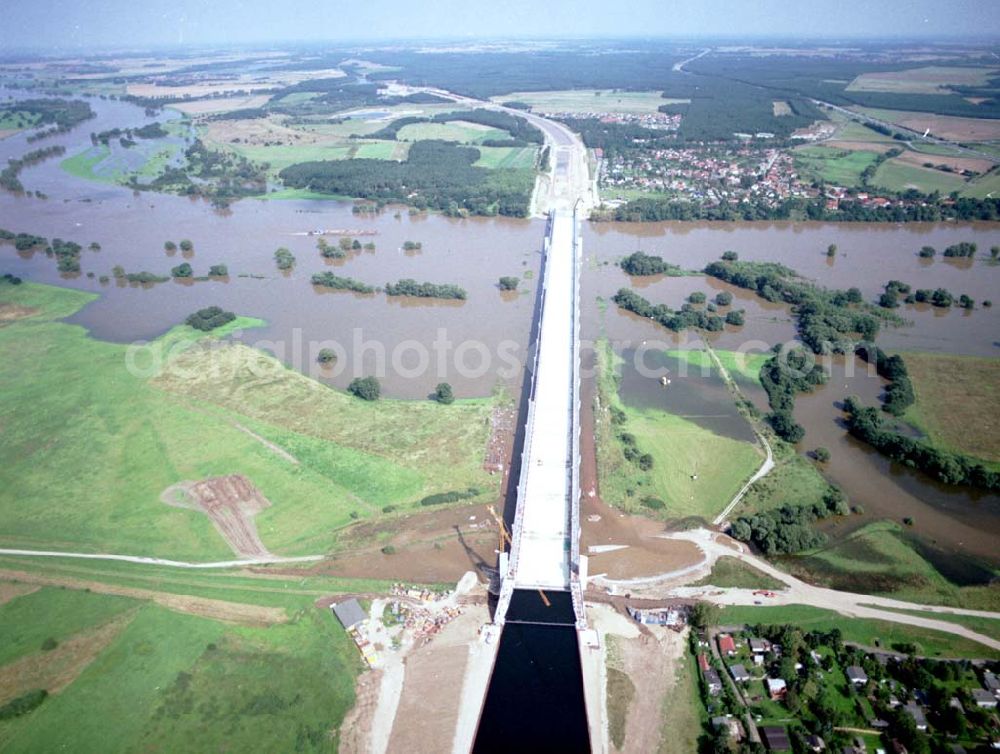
(545, 553)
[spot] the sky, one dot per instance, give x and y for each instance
(82, 24)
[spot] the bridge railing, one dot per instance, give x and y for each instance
(529, 426)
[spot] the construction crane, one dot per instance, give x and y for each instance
(506, 539)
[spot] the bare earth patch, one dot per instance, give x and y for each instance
(12, 312)
(780, 107)
(56, 669)
(9, 590)
(428, 709)
(355, 731)
(652, 662)
(230, 502)
(232, 612)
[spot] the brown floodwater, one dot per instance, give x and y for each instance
(477, 343)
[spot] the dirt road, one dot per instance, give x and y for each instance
(797, 592)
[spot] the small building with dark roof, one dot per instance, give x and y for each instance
(776, 738)
(349, 613)
(713, 681)
(984, 699)
(739, 673)
(856, 675)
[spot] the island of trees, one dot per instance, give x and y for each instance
(409, 287)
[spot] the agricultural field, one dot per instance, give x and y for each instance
(896, 175)
(926, 80)
(956, 400)
(591, 101)
(984, 186)
(169, 430)
(175, 679)
(507, 157)
(453, 130)
(220, 104)
(949, 127)
(841, 167)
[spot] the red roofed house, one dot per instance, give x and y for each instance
(726, 644)
(703, 662)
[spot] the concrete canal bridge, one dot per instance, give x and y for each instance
(545, 538)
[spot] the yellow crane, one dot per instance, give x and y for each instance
(505, 539)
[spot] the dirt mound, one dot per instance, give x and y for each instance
(230, 502)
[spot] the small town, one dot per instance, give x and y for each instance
(778, 688)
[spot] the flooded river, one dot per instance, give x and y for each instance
(476, 344)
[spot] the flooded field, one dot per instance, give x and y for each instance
(476, 344)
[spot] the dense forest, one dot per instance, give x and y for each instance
(437, 175)
(827, 79)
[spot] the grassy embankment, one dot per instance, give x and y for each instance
(172, 680)
(957, 400)
(870, 633)
(733, 573)
(115, 441)
(676, 445)
(877, 559)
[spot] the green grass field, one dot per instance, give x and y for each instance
(837, 166)
(744, 368)
(282, 156)
(684, 715)
(175, 682)
(51, 613)
(679, 448)
(115, 441)
(82, 165)
(899, 176)
(457, 130)
(507, 157)
(590, 100)
(870, 633)
(794, 480)
(851, 130)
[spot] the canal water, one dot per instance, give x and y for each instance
(535, 701)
